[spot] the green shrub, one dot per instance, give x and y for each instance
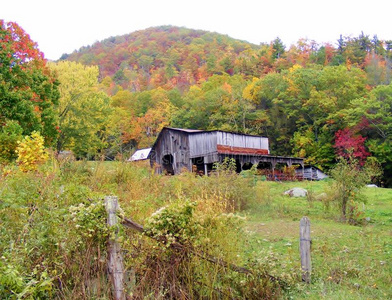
(10, 134)
(350, 178)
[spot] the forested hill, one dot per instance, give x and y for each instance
(318, 101)
(177, 57)
(164, 56)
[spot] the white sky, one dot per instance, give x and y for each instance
(63, 26)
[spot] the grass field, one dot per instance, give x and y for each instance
(348, 262)
(53, 236)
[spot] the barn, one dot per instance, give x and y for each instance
(197, 150)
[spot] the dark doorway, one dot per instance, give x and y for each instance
(264, 166)
(198, 165)
(247, 166)
(238, 167)
(167, 164)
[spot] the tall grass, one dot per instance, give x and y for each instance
(53, 236)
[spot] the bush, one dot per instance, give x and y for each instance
(31, 152)
(10, 134)
(196, 246)
(350, 177)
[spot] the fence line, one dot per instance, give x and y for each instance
(115, 261)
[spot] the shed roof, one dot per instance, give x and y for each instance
(140, 154)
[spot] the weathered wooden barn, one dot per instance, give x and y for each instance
(197, 150)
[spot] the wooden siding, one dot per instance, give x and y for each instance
(175, 143)
(313, 173)
(202, 144)
(242, 140)
(223, 149)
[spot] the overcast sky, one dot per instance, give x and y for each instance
(63, 26)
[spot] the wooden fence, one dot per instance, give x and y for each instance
(115, 259)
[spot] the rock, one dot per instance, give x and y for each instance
(296, 192)
(372, 185)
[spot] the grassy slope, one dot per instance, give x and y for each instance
(349, 262)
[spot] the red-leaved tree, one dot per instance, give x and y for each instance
(350, 145)
(28, 93)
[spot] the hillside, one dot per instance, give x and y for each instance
(162, 56)
(177, 57)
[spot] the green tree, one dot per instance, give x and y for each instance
(316, 151)
(10, 134)
(350, 179)
(375, 113)
(84, 111)
(278, 47)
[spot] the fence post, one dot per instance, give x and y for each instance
(115, 260)
(304, 246)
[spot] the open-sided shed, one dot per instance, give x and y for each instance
(312, 173)
(196, 150)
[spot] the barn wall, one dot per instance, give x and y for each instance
(175, 143)
(321, 175)
(311, 173)
(202, 144)
(242, 141)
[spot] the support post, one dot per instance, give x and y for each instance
(115, 259)
(273, 164)
(304, 246)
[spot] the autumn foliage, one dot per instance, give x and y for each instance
(28, 91)
(303, 97)
(31, 152)
(350, 146)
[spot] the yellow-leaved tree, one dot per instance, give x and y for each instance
(85, 111)
(31, 152)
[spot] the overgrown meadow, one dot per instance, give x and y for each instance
(238, 236)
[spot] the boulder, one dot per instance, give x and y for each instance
(371, 185)
(296, 192)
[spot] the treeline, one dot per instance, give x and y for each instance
(173, 57)
(311, 100)
(317, 101)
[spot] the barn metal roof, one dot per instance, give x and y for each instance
(185, 130)
(199, 131)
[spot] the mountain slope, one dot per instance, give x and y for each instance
(163, 56)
